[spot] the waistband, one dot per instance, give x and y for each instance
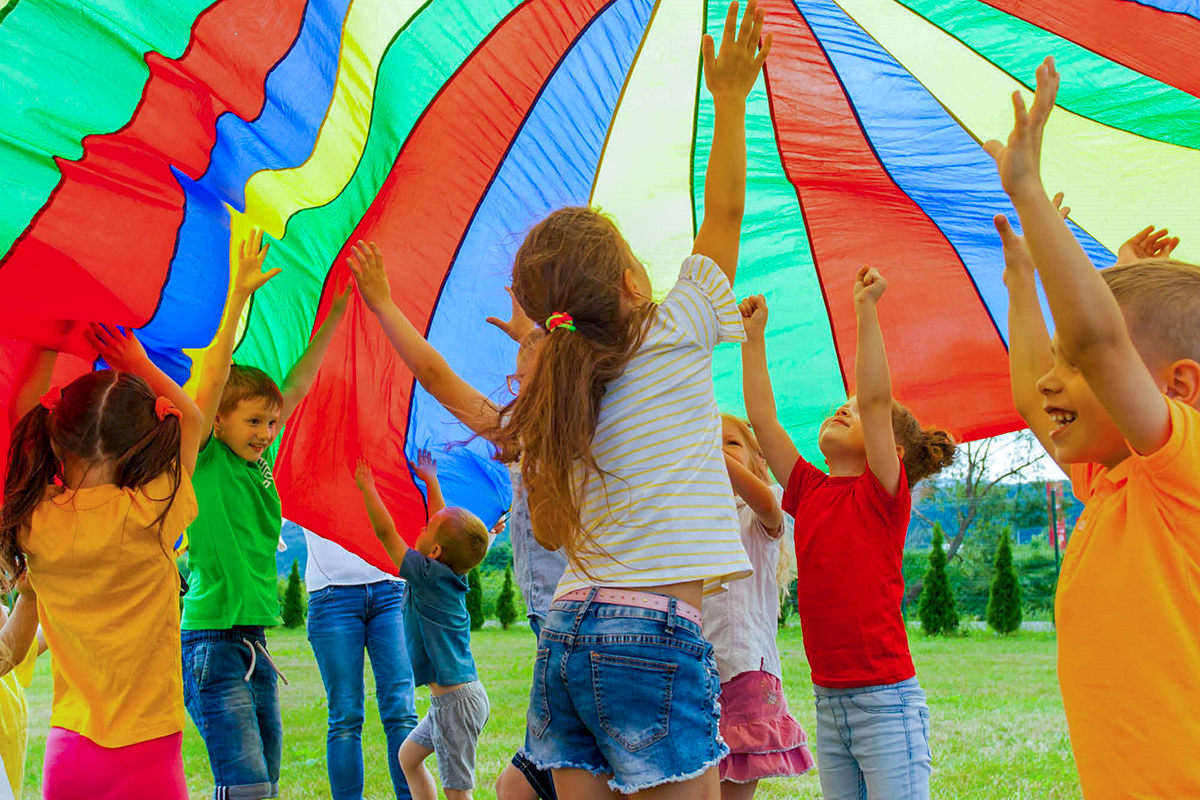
(468, 689)
(824, 691)
(634, 599)
(255, 633)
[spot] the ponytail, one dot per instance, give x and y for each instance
(927, 451)
(32, 466)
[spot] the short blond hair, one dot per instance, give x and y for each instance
(1160, 299)
(463, 537)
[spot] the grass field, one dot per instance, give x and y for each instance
(998, 726)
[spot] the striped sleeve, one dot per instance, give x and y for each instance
(703, 305)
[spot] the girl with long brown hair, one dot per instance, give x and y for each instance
(98, 490)
(618, 437)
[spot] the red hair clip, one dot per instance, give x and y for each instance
(52, 398)
(163, 408)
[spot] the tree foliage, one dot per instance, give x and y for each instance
(293, 602)
(936, 609)
(475, 599)
(1004, 600)
(506, 608)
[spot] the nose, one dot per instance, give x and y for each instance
(1049, 383)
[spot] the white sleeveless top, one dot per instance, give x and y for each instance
(664, 511)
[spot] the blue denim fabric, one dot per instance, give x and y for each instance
(437, 627)
(873, 742)
(611, 682)
(238, 719)
(536, 569)
(343, 621)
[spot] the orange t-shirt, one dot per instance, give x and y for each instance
(1128, 614)
(108, 602)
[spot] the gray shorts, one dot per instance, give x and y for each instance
(451, 730)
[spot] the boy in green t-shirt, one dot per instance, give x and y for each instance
(228, 676)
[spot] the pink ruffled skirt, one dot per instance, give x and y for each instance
(76, 768)
(764, 740)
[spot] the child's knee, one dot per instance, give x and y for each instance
(458, 794)
(512, 785)
(412, 755)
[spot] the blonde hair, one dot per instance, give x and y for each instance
(1160, 299)
(463, 537)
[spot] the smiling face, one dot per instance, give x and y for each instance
(841, 435)
(249, 428)
(1083, 431)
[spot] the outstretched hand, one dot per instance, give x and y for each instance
(754, 316)
(426, 467)
(119, 348)
(731, 71)
(518, 325)
(251, 255)
(366, 265)
(1018, 261)
(1148, 243)
(362, 475)
(869, 286)
(1020, 160)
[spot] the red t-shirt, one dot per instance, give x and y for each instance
(849, 547)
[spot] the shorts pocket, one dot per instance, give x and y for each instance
(633, 698)
(882, 702)
(198, 663)
(538, 716)
(925, 730)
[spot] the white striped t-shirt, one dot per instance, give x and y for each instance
(664, 510)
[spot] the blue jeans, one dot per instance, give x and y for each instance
(873, 742)
(629, 692)
(238, 718)
(343, 621)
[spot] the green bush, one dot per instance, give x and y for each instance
(936, 608)
(293, 599)
(1004, 599)
(506, 609)
(475, 599)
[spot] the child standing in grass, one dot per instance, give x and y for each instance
(872, 719)
(437, 629)
(764, 740)
(229, 677)
(1113, 396)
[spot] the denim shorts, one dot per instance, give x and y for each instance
(623, 691)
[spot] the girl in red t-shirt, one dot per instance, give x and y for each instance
(872, 720)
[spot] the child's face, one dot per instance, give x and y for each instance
(735, 445)
(1083, 430)
(841, 435)
(249, 429)
(427, 544)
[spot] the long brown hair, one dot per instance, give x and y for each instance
(102, 416)
(574, 261)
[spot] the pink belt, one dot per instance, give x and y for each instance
(629, 597)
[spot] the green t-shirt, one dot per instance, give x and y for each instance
(232, 543)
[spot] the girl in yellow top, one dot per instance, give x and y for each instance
(98, 490)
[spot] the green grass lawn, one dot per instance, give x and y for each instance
(998, 725)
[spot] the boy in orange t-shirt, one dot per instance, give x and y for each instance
(1116, 402)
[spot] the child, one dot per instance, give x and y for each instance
(1115, 403)
(872, 720)
(617, 433)
(98, 490)
(229, 677)
(16, 672)
(437, 628)
(763, 738)
(536, 569)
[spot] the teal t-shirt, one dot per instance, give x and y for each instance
(232, 543)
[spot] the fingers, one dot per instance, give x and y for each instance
(730, 25)
(994, 149)
(748, 19)
(766, 49)
(863, 271)
(755, 31)
(1005, 229)
(708, 51)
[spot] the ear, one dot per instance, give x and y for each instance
(436, 552)
(629, 285)
(900, 452)
(1182, 382)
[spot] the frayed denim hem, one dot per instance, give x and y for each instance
(547, 766)
(633, 788)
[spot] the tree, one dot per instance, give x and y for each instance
(1004, 599)
(936, 610)
(506, 609)
(475, 599)
(293, 603)
(975, 487)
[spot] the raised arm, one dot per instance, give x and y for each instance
(1089, 325)
(1029, 354)
(730, 74)
(758, 496)
(1147, 243)
(873, 382)
(248, 279)
(460, 398)
(381, 520)
(121, 349)
(302, 374)
(20, 629)
(33, 381)
(776, 445)
(426, 470)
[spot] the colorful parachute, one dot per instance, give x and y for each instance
(142, 140)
